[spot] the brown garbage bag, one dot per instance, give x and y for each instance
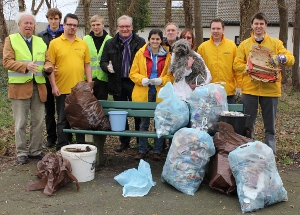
(83, 110)
(54, 172)
(225, 141)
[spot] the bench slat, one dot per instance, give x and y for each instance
(128, 105)
(127, 133)
(133, 113)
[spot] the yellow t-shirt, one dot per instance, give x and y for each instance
(69, 59)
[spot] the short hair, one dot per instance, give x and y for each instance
(260, 16)
(172, 23)
(218, 20)
(72, 16)
(156, 31)
(53, 12)
(24, 13)
(125, 17)
(184, 32)
(95, 18)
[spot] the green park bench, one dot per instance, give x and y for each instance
(134, 109)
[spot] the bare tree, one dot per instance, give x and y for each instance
(247, 9)
(35, 11)
(168, 11)
(48, 3)
(283, 32)
(198, 22)
(3, 26)
(86, 11)
(296, 37)
(22, 6)
(130, 10)
(188, 19)
(112, 17)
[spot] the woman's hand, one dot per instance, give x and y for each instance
(190, 62)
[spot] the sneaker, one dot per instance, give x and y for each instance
(156, 157)
(48, 145)
(38, 157)
(139, 156)
(22, 159)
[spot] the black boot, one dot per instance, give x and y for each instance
(122, 147)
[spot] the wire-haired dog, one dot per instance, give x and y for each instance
(181, 51)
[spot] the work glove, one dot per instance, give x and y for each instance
(238, 91)
(155, 81)
(276, 60)
(110, 67)
(145, 82)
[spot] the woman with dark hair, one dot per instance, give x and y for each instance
(149, 72)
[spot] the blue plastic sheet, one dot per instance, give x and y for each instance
(171, 114)
(136, 182)
(187, 159)
(258, 182)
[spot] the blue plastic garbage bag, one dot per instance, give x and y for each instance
(136, 182)
(207, 102)
(187, 159)
(171, 114)
(258, 182)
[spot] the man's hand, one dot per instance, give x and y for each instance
(155, 81)
(110, 67)
(276, 60)
(51, 69)
(55, 91)
(32, 67)
(238, 92)
(145, 82)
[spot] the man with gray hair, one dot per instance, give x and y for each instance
(116, 60)
(25, 56)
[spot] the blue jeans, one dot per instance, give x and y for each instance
(144, 126)
(269, 109)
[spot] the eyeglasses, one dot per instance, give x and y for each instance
(124, 26)
(187, 38)
(71, 25)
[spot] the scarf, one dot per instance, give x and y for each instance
(126, 55)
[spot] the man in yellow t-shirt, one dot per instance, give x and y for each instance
(71, 56)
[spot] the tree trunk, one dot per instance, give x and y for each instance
(22, 6)
(3, 29)
(247, 9)
(112, 17)
(168, 11)
(283, 32)
(48, 3)
(188, 19)
(198, 22)
(296, 37)
(86, 9)
(130, 10)
(35, 11)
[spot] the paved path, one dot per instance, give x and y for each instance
(103, 195)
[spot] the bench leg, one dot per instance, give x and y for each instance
(99, 141)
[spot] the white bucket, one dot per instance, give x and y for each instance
(82, 163)
(117, 120)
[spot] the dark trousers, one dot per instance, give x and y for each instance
(50, 115)
(127, 87)
(100, 89)
(62, 123)
(269, 109)
(230, 99)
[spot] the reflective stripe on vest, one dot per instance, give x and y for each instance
(23, 54)
(95, 58)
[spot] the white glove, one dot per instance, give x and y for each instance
(155, 81)
(238, 91)
(145, 82)
(110, 67)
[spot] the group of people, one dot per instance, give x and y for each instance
(127, 67)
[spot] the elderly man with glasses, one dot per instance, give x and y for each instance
(116, 60)
(71, 56)
(25, 56)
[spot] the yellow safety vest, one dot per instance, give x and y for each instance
(23, 54)
(95, 58)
